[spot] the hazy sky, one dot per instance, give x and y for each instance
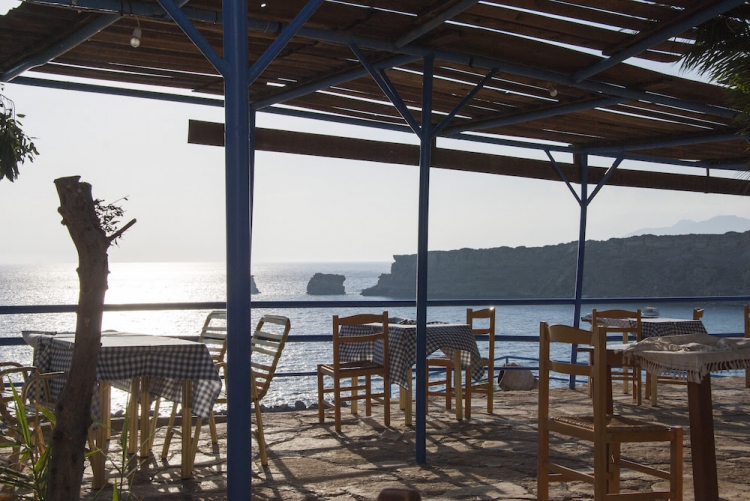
(306, 208)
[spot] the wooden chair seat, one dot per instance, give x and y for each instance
(614, 424)
(361, 368)
(630, 375)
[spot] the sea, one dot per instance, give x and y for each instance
(54, 284)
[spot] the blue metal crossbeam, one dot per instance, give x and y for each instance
(463, 102)
(435, 22)
(332, 81)
(194, 35)
(385, 85)
(671, 29)
(291, 29)
(551, 111)
(667, 142)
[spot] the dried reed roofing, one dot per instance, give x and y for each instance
(549, 82)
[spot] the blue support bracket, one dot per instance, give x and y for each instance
(605, 178)
(273, 50)
(385, 85)
(195, 36)
(463, 102)
(562, 176)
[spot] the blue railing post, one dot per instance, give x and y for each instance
(238, 203)
(583, 201)
(425, 149)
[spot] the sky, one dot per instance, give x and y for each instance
(306, 208)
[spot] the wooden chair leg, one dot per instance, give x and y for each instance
(448, 387)
(490, 388)
(337, 403)
(613, 486)
(212, 428)
(260, 436)
(355, 382)
(170, 432)
(675, 465)
(321, 400)
(468, 394)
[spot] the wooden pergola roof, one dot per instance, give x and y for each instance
(540, 71)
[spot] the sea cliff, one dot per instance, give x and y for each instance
(647, 265)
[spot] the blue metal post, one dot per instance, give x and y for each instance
(425, 147)
(584, 203)
(238, 190)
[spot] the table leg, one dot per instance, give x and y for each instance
(135, 385)
(100, 438)
(407, 401)
(145, 425)
(187, 437)
(654, 380)
(702, 447)
(457, 382)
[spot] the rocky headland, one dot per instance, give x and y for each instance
(325, 284)
(647, 265)
(253, 287)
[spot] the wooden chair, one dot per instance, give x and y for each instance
(678, 379)
(606, 431)
(339, 370)
(485, 387)
(629, 375)
(266, 350)
(214, 336)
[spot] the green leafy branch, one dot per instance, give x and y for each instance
(15, 146)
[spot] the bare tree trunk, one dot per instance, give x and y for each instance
(73, 410)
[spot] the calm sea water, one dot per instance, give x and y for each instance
(197, 282)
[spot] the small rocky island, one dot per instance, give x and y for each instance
(253, 287)
(326, 284)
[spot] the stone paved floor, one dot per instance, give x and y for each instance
(486, 457)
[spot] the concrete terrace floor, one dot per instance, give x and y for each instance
(485, 457)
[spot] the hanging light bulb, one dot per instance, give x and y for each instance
(553, 92)
(135, 40)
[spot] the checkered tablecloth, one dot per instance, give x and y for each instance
(166, 361)
(659, 327)
(402, 347)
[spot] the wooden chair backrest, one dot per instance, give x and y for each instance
(214, 334)
(568, 335)
(362, 319)
(697, 313)
(487, 313)
(637, 330)
(747, 320)
(266, 346)
(12, 373)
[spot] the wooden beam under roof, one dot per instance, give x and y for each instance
(299, 143)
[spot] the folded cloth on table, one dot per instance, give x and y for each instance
(695, 354)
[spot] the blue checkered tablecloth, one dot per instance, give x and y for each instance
(659, 327)
(402, 347)
(123, 356)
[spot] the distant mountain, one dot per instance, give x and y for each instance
(715, 225)
(646, 265)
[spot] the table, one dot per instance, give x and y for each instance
(697, 355)
(457, 341)
(171, 368)
(657, 327)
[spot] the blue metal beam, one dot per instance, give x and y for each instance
(435, 22)
(62, 47)
(332, 81)
(387, 87)
(289, 31)
(667, 142)
(583, 203)
(425, 149)
(419, 51)
(463, 102)
(194, 35)
(238, 207)
(551, 111)
(671, 29)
